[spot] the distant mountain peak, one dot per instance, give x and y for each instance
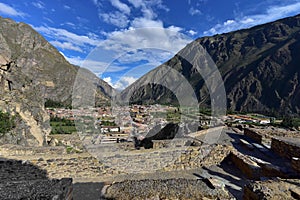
(259, 67)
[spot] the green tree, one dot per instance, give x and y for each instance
(6, 123)
(290, 122)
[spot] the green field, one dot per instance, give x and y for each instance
(62, 126)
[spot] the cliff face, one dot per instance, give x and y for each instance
(259, 67)
(32, 70)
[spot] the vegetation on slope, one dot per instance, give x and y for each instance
(7, 122)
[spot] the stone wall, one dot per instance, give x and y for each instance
(255, 168)
(7, 150)
(296, 164)
(176, 142)
(286, 148)
(253, 135)
(162, 159)
(123, 159)
(75, 166)
(250, 168)
(151, 160)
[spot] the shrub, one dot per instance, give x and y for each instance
(7, 123)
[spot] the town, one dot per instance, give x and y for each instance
(122, 123)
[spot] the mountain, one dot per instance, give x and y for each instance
(259, 67)
(32, 71)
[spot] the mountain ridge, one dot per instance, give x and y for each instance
(258, 66)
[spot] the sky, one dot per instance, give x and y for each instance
(120, 40)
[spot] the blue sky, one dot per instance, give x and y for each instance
(120, 40)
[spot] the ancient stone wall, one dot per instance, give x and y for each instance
(250, 168)
(163, 159)
(253, 135)
(121, 159)
(284, 148)
(176, 142)
(7, 150)
(296, 164)
(151, 160)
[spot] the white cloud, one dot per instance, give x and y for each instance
(69, 24)
(228, 22)
(67, 7)
(38, 4)
(137, 3)
(135, 38)
(82, 20)
(97, 67)
(8, 10)
(120, 17)
(49, 20)
(148, 13)
(63, 35)
(73, 60)
(116, 18)
(122, 83)
(152, 56)
(146, 23)
(108, 80)
(169, 39)
(100, 67)
(192, 32)
(142, 32)
(272, 13)
(121, 6)
(193, 11)
(66, 45)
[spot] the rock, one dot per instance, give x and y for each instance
(272, 189)
(295, 193)
(53, 142)
(31, 72)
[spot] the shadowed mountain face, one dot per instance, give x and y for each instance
(32, 70)
(259, 67)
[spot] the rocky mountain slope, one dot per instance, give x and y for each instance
(32, 71)
(259, 67)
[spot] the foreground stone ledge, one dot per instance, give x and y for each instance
(272, 189)
(37, 189)
(164, 189)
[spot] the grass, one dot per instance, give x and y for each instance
(62, 126)
(61, 129)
